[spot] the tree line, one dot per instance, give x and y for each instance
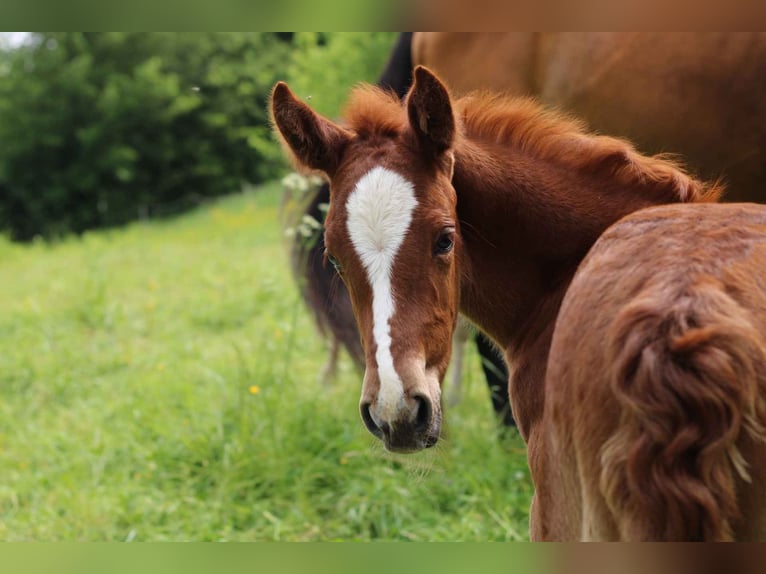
(98, 129)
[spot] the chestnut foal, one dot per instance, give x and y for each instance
(488, 206)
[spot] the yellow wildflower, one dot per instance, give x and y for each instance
(255, 389)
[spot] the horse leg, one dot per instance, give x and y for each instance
(330, 369)
(459, 340)
(597, 522)
(542, 508)
(496, 375)
(557, 510)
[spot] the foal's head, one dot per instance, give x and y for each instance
(393, 235)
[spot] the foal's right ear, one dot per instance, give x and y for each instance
(430, 112)
(316, 142)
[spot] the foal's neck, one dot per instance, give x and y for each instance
(526, 224)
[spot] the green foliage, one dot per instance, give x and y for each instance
(140, 407)
(100, 128)
(326, 65)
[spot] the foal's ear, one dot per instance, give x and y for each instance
(316, 142)
(430, 111)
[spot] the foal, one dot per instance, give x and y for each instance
(488, 209)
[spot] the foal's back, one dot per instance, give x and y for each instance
(656, 387)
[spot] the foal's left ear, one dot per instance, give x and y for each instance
(430, 112)
(315, 141)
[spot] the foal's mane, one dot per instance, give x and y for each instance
(523, 124)
(371, 111)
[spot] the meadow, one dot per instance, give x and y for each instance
(160, 382)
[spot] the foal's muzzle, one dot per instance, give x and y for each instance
(415, 426)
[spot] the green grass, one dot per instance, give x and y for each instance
(159, 382)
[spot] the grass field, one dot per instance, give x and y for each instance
(159, 382)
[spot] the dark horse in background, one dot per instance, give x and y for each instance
(697, 95)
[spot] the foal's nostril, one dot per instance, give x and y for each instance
(369, 422)
(424, 414)
(411, 426)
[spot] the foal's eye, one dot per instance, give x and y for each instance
(445, 242)
(335, 263)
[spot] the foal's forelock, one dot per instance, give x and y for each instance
(379, 214)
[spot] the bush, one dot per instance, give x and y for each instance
(326, 65)
(100, 128)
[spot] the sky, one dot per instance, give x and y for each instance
(13, 39)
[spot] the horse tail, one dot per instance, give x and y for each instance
(688, 378)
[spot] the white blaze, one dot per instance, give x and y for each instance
(379, 215)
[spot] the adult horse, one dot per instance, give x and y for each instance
(490, 209)
(698, 95)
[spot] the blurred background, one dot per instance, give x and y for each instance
(100, 129)
(158, 368)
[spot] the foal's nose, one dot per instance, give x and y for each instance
(411, 427)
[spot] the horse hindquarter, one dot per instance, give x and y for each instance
(658, 373)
